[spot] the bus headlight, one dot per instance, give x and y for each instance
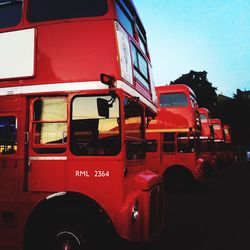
(135, 211)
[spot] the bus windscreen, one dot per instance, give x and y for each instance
(173, 100)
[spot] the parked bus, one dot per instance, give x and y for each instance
(173, 138)
(76, 89)
(207, 140)
(219, 141)
(230, 153)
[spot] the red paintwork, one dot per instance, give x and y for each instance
(227, 134)
(70, 51)
(175, 119)
(219, 139)
(223, 141)
(64, 52)
(218, 129)
(205, 125)
(207, 139)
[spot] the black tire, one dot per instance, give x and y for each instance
(220, 164)
(59, 233)
(70, 237)
(179, 183)
(208, 170)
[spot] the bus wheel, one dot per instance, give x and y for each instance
(59, 233)
(176, 183)
(219, 164)
(70, 240)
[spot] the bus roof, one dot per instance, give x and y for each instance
(203, 111)
(216, 121)
(175, 88)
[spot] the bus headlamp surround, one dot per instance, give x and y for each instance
(135, 211)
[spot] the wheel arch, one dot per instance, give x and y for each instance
(176, 169)
(178, 179)
(72, 203)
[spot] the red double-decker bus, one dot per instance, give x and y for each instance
(230, 152)
(75, 91)
(173, 138)
(219, 141)
(207, 140)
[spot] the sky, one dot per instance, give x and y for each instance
(210, 35)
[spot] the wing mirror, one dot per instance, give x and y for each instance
(103, 107)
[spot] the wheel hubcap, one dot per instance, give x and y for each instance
(67, 241)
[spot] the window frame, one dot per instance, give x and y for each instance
(17, 3)
(173, 93)
(203, 118)
(169, 141)
(138, 33)
(151, 143)
(43, 19)
(135, 54)
(132, 142)
(128, 15)
(16, 137)
(71, 119)
(50, 148)
(191, 145)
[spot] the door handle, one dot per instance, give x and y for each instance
(28, 166)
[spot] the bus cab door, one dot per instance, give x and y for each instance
(47, 144)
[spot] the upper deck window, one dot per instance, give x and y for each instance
(129, 19)
(173, 100)
(142, 40)
(140, 67)
(10, 12)
(203, 118)
(44, 10)
(216, 126)
(125, 17)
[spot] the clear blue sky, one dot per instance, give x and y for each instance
(211, 35)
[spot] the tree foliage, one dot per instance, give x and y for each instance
(234, 112)
(198, 82)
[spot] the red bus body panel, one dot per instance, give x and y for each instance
(219, 139)
(229, 150)
(176, 120)
(207, 139)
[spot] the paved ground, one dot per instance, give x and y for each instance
(216, 217)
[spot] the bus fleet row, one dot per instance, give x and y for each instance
(85, 147)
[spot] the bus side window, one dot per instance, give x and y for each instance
(169, 145)
(185, 143)
(8, 135)
(125, 17)
(140, 67)
(50, 125)
(151, 146)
